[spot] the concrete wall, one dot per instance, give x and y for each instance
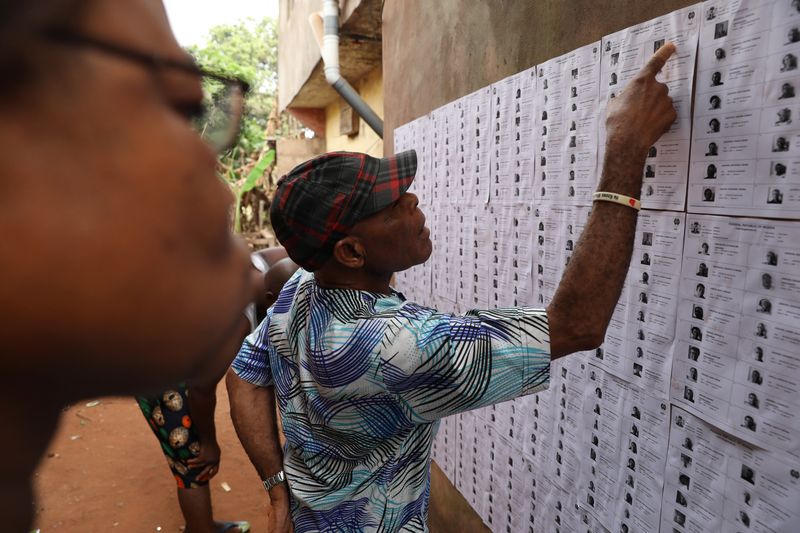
(292, 152)
(438, 50)
(371, 89)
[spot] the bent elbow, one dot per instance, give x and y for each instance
(572, 332)
(232, 382)
(595, 343)
(590, 339)
(598, 336)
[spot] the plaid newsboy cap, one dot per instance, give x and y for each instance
(319, 201)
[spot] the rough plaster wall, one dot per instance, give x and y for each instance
(436, 51)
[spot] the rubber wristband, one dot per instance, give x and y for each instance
(617, 199)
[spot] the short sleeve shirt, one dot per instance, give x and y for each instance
(362, 379)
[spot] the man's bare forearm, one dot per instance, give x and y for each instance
(592, 283)
(203, 394)
(202, 404)
(254, 418)
(585, 299)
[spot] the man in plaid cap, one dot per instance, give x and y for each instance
(362, 375)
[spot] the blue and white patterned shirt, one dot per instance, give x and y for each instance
(362, 380)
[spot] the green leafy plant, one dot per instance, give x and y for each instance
(246, 185)
(248, 50)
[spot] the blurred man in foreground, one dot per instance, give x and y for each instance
(104, 175)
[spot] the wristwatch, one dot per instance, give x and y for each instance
(271, 481)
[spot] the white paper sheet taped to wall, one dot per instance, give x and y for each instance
(707, 330)
(746, 147)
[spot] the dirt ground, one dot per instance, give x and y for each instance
(105, 472)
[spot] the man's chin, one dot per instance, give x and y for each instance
(423, 257)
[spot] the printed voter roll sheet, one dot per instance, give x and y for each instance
(452, 155)
(746, 141)
(460, 181)
(510, 420)
(414, 283)
(464, 184)
(539, 426)
(624, 53)
(501, 137)
(465, 427)
(511, 152)
(567, 449)
(493, 505)
(556, 231)
(476, 159)
(481, 256)
(421, 142)
(558, 510)
(737, 355)
(522, 252)
(523, 501)
(453, 176)
(447, 260)
(463, 262)
(625, 430)
(440, 126)
(415, 135)
(402, 137)
(716, 483)
(439, 280)
(508, 467)
(589, 523)
(402, 142)
(453, 261)
(446, 444)
(641, 334)
(523, 154)
(469, 477)
(566, 125)
(500, 271)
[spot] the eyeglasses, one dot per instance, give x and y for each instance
(217, 119)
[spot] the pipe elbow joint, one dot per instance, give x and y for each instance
(332, 75)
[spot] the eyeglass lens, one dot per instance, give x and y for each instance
(223, 104)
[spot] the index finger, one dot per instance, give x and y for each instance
(659, 59)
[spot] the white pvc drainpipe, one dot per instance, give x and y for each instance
(329, 47)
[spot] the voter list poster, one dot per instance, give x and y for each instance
(746, 141)
(684, 419)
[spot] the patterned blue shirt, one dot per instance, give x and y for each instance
(362, 380)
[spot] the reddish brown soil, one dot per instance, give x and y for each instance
(113, 477)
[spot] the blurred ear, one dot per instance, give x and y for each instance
(350, 252)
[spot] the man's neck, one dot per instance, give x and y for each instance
(333, 277)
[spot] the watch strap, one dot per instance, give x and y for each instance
(272, 481)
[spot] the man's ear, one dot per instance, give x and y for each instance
(349, 252)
